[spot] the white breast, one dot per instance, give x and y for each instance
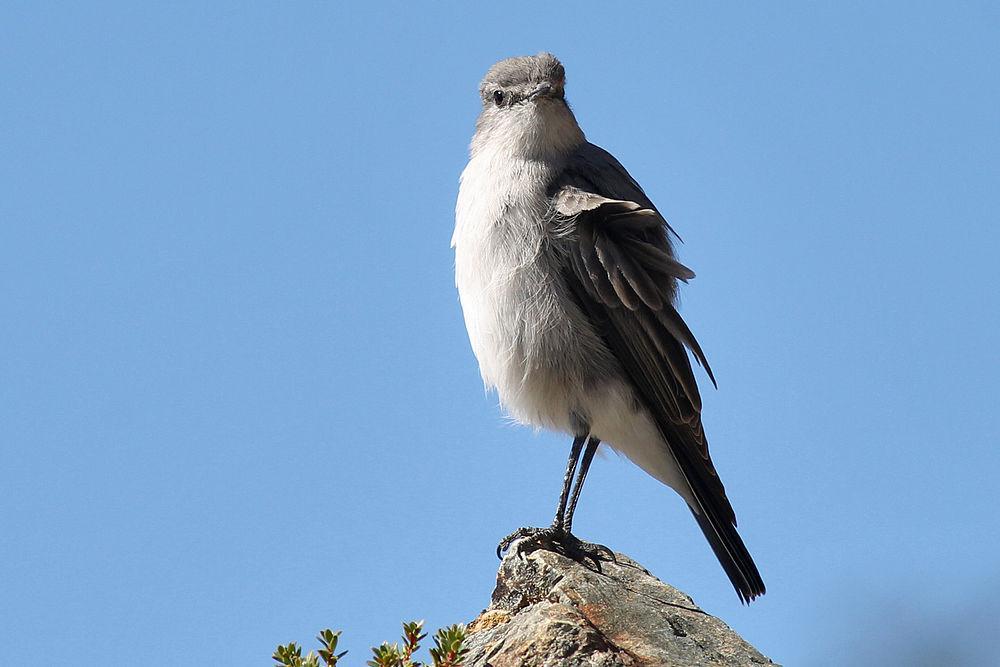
(494, 247)
(503, 287)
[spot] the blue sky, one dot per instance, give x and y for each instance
(238, 402)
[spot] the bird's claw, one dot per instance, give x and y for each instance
(557, 539)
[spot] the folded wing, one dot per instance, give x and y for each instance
(619, 265)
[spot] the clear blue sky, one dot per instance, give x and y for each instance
(238, 403)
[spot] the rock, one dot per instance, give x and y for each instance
(548, 610)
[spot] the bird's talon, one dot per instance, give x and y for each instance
(557, 539)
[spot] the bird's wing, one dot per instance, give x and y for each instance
(619, 264)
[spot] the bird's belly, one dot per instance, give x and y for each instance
(546, 362)
(525, 345)
(562, 392)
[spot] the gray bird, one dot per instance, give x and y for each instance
(568, 280)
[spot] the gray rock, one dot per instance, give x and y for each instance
(548, 610)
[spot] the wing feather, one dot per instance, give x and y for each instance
(621, 269)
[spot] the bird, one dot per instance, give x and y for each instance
(567, 278)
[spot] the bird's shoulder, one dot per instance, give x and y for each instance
(594, 182)
(619, 259)
(594, 170)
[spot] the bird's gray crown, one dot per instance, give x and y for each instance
(525, 73)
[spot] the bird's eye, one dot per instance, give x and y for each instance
(498, 97)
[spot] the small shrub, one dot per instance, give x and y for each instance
(448, 651)
(290, 655)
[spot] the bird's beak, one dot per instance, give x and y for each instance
(541, 89)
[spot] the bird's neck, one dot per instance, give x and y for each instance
(548, 137)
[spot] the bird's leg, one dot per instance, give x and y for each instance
(588, 457)
(576, 546)
(574, 456)
(556, 529)
(557, 537)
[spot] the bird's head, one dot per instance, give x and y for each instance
(525, 110)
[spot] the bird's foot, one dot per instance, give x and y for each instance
(557, 539)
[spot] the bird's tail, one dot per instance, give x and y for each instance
(731, 552)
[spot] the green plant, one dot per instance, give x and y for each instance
(290, 655)
(448, 651)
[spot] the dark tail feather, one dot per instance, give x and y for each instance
(660, 390)
(732, 554)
